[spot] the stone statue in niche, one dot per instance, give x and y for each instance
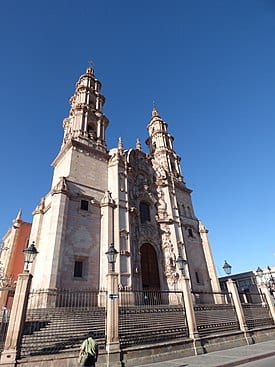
(161, 173)
(169, 254)
(162, 206)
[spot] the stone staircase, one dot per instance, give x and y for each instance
(48, 331)
(148, 325)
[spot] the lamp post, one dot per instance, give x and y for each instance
(260, 274)
(30, 254)
(266, 289)
(270, 282)
(227, 268)
(181, 264)
(111, 256)
(112, 339)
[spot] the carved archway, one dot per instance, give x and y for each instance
(149, 267)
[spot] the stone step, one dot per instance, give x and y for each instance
(48, 330)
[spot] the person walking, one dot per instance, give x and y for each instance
(88, 352)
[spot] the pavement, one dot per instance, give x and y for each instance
(223, 358)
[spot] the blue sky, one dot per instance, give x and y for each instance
(208, 65)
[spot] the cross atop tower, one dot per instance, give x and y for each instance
(91, 64)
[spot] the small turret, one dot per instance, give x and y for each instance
(18, 220)
(120, 146)
(138, 144)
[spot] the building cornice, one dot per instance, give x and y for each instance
(74, 144)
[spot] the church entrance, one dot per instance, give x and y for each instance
(149, 267)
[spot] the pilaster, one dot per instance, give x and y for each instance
(107, 234)
(232, 288)
(16, 322)
(112, 338)
(210, 261)
(269, 300)
(190, 315)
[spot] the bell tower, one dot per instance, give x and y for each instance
(86, 122)
(179, 226)
(160, 144)
(67, 222)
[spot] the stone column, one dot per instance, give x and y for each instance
(16, 322)
(232, 288)
(190, 314)
(106, 235)
(112, 339)
(269, 299)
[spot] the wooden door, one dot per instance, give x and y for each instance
(149, 267)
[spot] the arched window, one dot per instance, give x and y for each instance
(144, 211)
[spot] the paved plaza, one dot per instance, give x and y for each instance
(224, 358)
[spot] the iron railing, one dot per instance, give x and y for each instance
(215, 312)
(60, 319)
(202, 298)
(65, 298)
(256, 310)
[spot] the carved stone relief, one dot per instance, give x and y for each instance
(169, 255)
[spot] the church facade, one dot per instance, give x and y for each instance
(138, 201)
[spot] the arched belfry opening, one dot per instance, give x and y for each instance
(149, 267)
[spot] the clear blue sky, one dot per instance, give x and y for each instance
(208, 65)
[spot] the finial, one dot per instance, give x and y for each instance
(19, 215)
(138, 144)
(91, 64)
(155, 111)
(120, 145)
(90, 69)
(16, 222)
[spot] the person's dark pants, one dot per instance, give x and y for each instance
(90, 362)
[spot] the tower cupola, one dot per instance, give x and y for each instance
(86, 121)
(161, 148)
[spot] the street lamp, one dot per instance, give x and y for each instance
(112, 317)
(111, 256)
(29, 256)
(181, 264)
(227, 268)
(271, 281)
(259, 273)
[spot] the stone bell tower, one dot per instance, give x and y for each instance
(179, 227)
(67, 222)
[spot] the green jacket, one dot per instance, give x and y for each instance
(90, 346)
